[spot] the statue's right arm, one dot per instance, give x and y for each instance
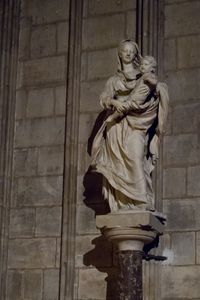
(107, 95)
(136, 100)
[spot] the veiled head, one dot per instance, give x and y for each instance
(128, 52)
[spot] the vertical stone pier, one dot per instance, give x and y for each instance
(130, 231)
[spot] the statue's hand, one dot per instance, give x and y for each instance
(105, 103)
(119, 107)
(154, 159)
(150, 78)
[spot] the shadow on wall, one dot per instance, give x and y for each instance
(93, 196)
(102, 257)
(99, 121)
(92, 181)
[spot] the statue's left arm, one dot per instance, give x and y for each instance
(137, 99)
(163, 107)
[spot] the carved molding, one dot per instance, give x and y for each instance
(9, 24)
(71, 152)
(149, 28)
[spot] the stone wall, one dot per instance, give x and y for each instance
(181, 157)
(36, 208)
(38, 154)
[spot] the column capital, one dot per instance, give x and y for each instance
(130, 230)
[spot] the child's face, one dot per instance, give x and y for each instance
(146, 66)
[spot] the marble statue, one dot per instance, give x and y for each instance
(125, 148)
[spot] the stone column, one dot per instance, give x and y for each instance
(130, 231)
(129, 284)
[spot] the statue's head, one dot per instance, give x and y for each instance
(148, 64)
(128, 52)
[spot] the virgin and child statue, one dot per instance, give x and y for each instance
(125, 148)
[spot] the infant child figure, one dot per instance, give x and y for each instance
(138, 98)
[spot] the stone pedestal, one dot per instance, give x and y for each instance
(130, 231)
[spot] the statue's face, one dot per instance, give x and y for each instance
(127, 53)
(146, 66)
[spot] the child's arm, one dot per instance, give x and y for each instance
(137, 99)
(151, 79)
(118, 105)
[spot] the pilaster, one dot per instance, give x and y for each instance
(9, 34)
(71, 151)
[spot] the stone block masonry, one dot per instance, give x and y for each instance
(36, 204)
(40, 103)
(183, 246)
(91, 282)
(177, 13)
(38, 191)
(43, 41)
(33, 253)
(36, 214)
(39, 132)
(45, 12)
(44, 71)
(181, 159)
(182, 280)
(113, 27)
(103, 7)
(96, 70)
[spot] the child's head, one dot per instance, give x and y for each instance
(148, 65)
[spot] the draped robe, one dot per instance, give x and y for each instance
(124, 147)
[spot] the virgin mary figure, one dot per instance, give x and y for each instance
(125, 148)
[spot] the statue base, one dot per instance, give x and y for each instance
(130, 231)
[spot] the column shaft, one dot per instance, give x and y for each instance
(129, 283)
